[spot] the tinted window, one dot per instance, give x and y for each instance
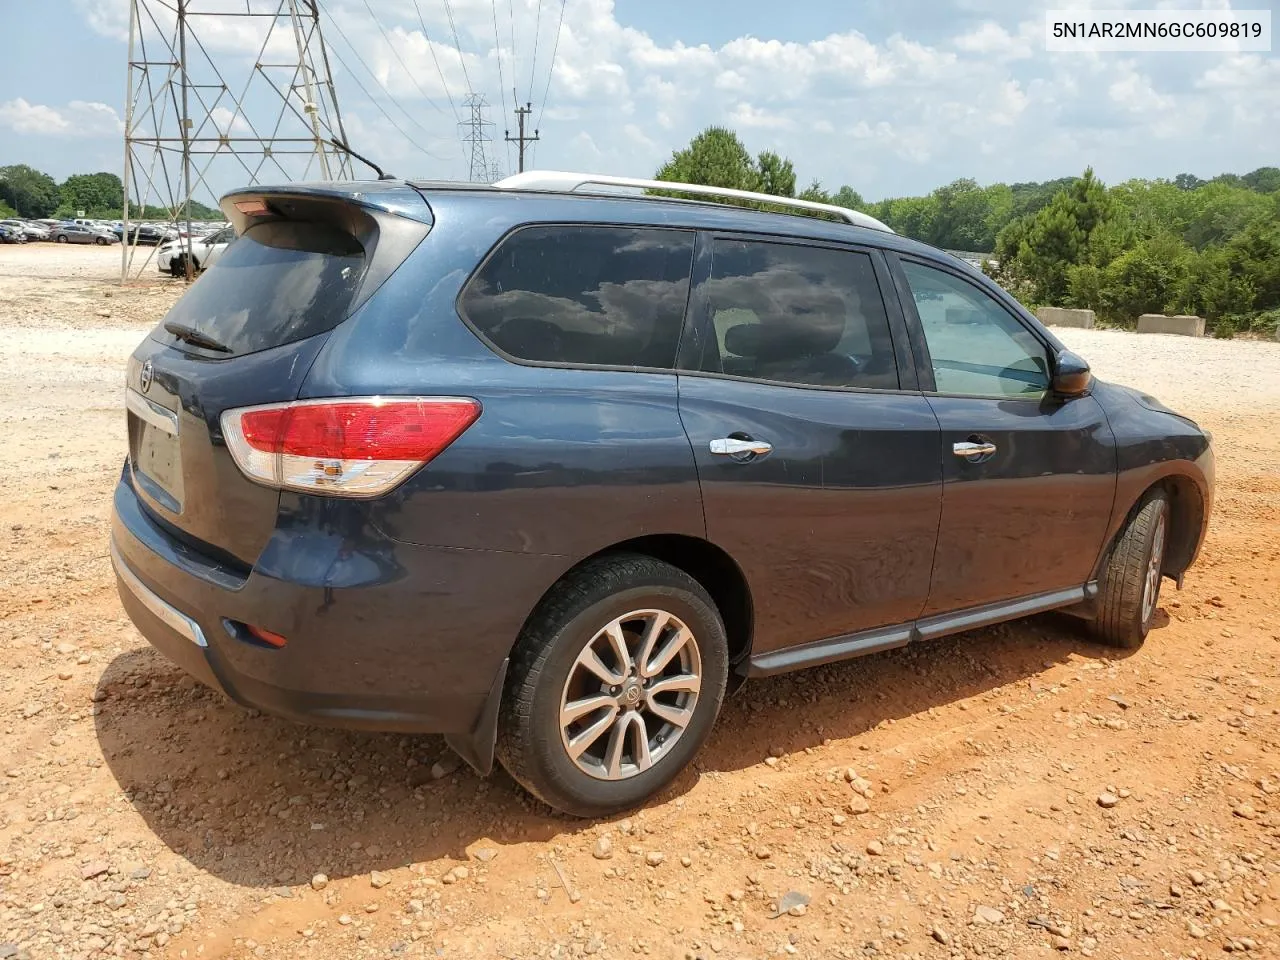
(977, 347)
(804, 315)
(280, 282)
(610, 296)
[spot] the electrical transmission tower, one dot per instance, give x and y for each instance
(475, 133)
(200, 121)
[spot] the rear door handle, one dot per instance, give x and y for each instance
(967, 448)
(733, 447)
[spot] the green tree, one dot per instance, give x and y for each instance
(1187, 181)
(1254, 256)
(6, 211)
(1263, 180)
(1218, 212)
(95, 193)
(846, 196)
(911, 216)
(776, 175)
(1211, 289)
(1057, 237)
(28, 191)
(715, 157)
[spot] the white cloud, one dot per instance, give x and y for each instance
(749, 117)
(78, 118)
(990, 39)
(904, 103)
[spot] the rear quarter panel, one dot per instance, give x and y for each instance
(561, 461)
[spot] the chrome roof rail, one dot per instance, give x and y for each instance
(557, 181)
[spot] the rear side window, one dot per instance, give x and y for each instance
(804, 315)
(584, 295)
(279, 282)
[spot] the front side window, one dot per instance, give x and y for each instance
(584, 295)
(976, 346)
(803, 315)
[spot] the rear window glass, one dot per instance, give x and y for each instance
(585, 295)
(278, 283)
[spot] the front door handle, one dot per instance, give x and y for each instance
(967, 448)
(734, 447)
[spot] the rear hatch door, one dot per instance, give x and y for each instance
(245, 334)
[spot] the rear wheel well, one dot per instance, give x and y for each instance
(719, 575)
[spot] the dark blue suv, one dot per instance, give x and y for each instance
(549, 473)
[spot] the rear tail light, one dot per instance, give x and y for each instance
(352, 447)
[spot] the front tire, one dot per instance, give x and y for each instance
(613, 687)
(1129, 588)
(62, 239)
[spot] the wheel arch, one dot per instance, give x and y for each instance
(712, 567)
(1186, 522)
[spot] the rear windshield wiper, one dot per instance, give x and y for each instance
(195, 337)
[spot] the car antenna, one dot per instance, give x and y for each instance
(365, 160)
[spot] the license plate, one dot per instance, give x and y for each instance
(160, 461)
(157, 452)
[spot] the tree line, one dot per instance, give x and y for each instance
(1187, 245)
(31, 193)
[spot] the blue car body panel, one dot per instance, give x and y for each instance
(859, 532)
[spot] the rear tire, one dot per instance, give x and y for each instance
(100, 241)
(1129, 588)
(178, 266)
(62, 239)
(631, 744)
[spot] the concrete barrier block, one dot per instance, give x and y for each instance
(1181, 325)
(1062, 317)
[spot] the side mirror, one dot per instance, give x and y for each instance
(1071, 375)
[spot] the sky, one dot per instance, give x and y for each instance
(892, 97)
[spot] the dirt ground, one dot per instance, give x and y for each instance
(1013, 792)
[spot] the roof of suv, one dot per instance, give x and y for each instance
(536, 205)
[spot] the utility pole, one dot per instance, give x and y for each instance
(521, 113)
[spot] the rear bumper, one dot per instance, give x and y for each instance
(381, 635)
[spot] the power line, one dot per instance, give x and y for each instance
(502, 84)
(533, 66)
(448, 10)
(432, 50)
(555, 48)
(395, 53)
(399, 129)
(359, 59)
(511, 19)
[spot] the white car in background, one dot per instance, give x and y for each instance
(205, 251)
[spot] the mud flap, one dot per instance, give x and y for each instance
(476, 747)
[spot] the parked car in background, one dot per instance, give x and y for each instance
(551, 472)
(146, 234)
(10, 234)
(75, 233)
(205, 252)
(32, 231)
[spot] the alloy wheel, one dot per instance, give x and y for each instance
(630, 694)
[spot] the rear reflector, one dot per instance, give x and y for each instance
(266, 636)
(252, 208)
(352, 447)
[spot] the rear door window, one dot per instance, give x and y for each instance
(584, 295)
(280, 282)
(812, 316)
